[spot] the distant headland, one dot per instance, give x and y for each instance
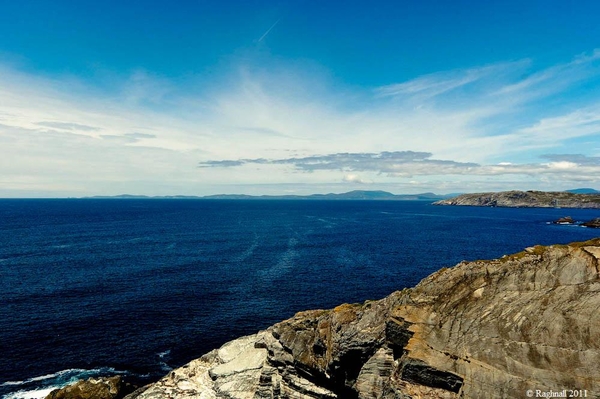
(579, 198)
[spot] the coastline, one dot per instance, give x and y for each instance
(446, 337)
(525, 199)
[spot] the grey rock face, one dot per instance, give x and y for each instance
(485, 329)
(526, 199)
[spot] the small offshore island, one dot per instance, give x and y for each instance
(502, 328)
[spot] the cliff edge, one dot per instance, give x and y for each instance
(502, 328)
(526, 199)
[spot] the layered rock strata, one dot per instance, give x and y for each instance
(483, 329)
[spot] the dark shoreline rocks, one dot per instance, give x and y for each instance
(567, 220)
(564, 220)
(594, 223)
(95, 388)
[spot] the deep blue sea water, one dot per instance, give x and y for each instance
(92, 286)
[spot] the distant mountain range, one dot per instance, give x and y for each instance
(583, 191)
(351, 195)
(567, 198)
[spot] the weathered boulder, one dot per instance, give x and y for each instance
(94, 388)
(484, 329)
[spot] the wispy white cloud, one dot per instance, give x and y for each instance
(582, 122)
(432, 85)
(577, 159)
(555, 78)
(128, 137)
(67, 126)
(273, 124)
(353, 178)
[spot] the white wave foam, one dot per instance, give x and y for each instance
(32, 394)
(41, 386)
(163, 354)
(165, 367)
(62, 373)
(41, 377)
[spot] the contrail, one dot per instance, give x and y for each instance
(268, 30)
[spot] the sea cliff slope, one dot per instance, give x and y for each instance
(482, 329)
(526, 199)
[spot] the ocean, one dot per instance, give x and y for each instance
(137, 287)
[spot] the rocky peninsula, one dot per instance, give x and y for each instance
(502, 328)
(526, 199)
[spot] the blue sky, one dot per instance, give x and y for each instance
(266, 97)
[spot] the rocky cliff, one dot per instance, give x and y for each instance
(526, 199)
(483, 329)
